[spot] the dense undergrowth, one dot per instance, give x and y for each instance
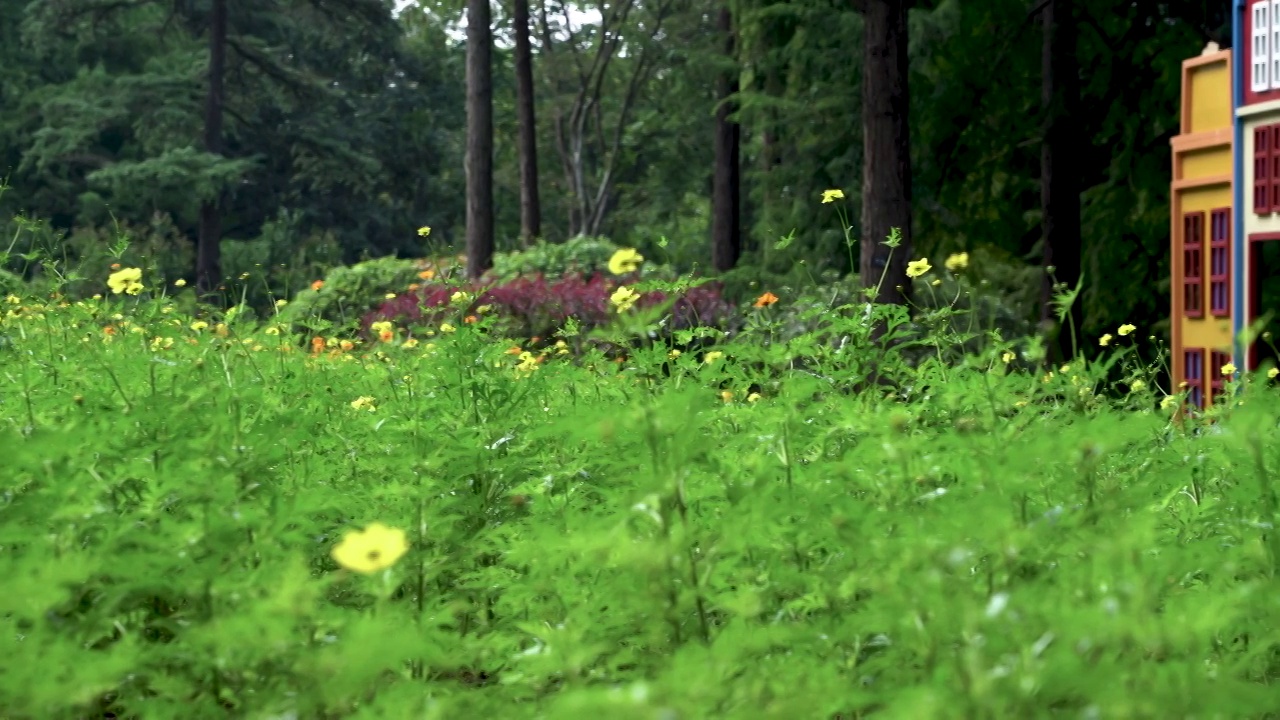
(786, 520)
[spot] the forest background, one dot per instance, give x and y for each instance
(343, 130)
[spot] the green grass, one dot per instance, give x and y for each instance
(591, 538)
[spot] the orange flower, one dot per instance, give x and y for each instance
(469, 319)
(317, 285)
(115, 266)
(427, 274)
(413, 286)
(346, 345)
(765, 300)
(108, 330)
(386, 336)
(317, 344)
(514, 351)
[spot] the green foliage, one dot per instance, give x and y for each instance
(894, 526)
(348, 292)
(585, 255)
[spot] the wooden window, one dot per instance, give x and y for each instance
(1261, 170)
(1273, 173)
(1193, 368)
(1216, 378)
(1273, 45)
(1220, 263)
(1193, 264)
(1260, 62)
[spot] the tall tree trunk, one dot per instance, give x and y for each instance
(208, 243)
(1059, 173)
(479, 155)
(530, 208)
(726, 219)
(886, 159)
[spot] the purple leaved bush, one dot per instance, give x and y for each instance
(534, 306)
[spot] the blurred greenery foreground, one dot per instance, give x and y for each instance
(840, 511)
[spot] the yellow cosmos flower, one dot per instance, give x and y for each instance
(624, 261)
(623, 298)
(199, 325)
(1229, 369)
(1008, 356)
(830, 196)
(753, 397)
(424, 231)
(711, 357)
(447, 328)
(375, 548)
(459, 297)
(1168, 403)
(411, 343)
(179, 283)
(1105, 340)
(916, 268)
(1137, 385)
(126, 280)
(273, 330)
(13, 300)
(382, 326)
(1125, 329)
(364, 402)
(1273, 372)
(957, 261)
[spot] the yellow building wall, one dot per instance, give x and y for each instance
(1208, 332)
(1210, 89)
(1205, 163)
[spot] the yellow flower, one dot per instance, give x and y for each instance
(382, 326)
(273, 330)
(221, 330)
(411, 343)
(390, 296)
(674, 354)
(128, 280)
(624, 261)
(528, 362)
(424, 231)
(281, 303)
(712, 356)
(364, 402)
(1229, 369)
(447, 328)
(623, 298)
(386, 336)
(957, 261)
(1168, 403)
(1105, 340)
(753, 397)
(179, 283)
(916, 268)
(1008, 356)
(161, 343)
(346, 345)
(13, 300)
(726, 395)
(1125, 329)
(459, 297)
(1137, 385)
(376, 548)
(199, 325)
(830, 196)
(1273, 372)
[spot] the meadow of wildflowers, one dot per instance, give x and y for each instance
(217, 514)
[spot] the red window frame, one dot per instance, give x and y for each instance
(1193, 264)
(1193, 369)
(1262, 170)
(1220, 262)
(1216, 379)
(1273, 159)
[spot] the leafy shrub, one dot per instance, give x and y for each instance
(581, 255)
(348, 292)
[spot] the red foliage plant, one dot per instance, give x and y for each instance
(532, 306)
